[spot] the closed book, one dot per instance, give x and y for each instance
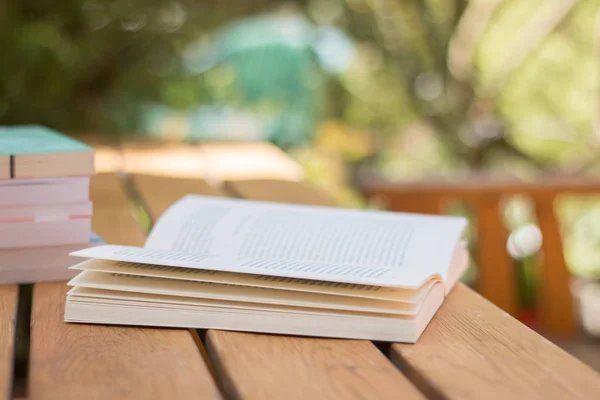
(242, 265)
(41, 264)
(45, 233)
(43, 191)
(32, 151)
(46, 212)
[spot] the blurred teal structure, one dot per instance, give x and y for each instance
(266, 80)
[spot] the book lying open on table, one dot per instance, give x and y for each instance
(253, 266)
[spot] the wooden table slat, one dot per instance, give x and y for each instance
(113, 218)
(251, 366)
(279, 191)
(79, 361)
(9, 295)
(210, 161)
(156, 201)
(474, 350)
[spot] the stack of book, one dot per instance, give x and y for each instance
(45, 207)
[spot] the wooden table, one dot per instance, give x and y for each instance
(471, 349)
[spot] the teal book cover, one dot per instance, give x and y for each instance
(34, 139)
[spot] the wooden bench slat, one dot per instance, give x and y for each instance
(413, 204)
(497, 273)
(78, 361)
(555, 299)
(156, 201)
(252, 366)
(480, 186)
(252, 160)
(473, 350)
(9, 295)
(168, 160)
(210, 161)
(279, 191)
(113, 218)
(75, 361)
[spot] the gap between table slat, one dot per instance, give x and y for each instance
(9, 295)
(252, 366)
(473, 350)
(75, 361)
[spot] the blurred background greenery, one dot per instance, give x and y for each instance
(403, 89)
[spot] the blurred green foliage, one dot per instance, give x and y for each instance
(406, 89)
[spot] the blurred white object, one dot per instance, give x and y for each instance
(586, 294)
(524, 241)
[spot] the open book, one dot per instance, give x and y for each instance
(255, 266)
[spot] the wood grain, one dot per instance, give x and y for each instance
(9, 295)
(555, 301)
(113, 217)
(255, 366)
(279, 191)
(473, 350)
(476, 187)
(414, 204)
(497, 275)
(275, 367)
(156, 199)
(79, 361)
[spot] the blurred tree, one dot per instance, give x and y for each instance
(93, 65)
(261, 78)
(433, 87)
(473, 72)
(465, 68)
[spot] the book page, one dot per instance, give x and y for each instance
(148, 300)
(305, 242)
(213, 291)
(251, 280)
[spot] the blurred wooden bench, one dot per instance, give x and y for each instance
(471, 349)
(8, 317)
(497, 280)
